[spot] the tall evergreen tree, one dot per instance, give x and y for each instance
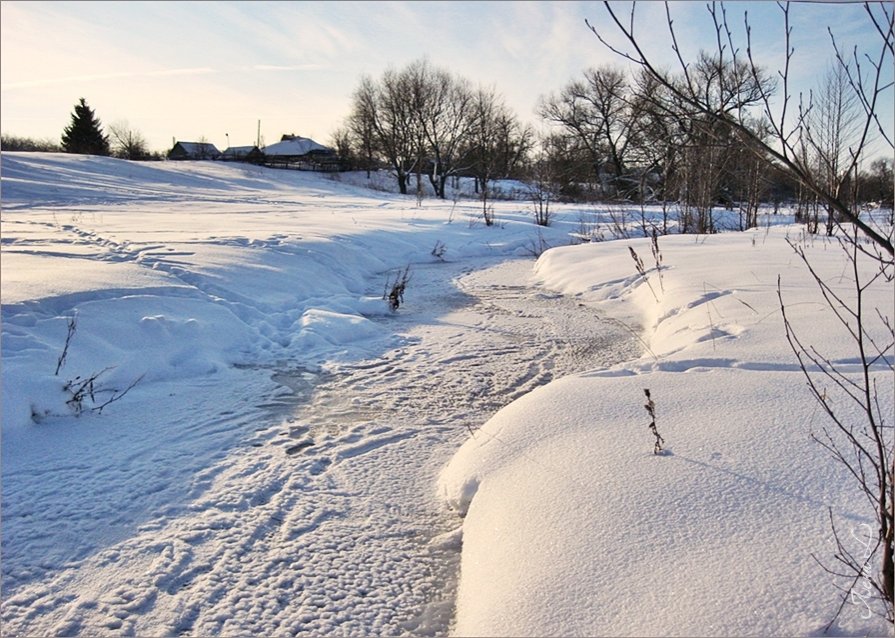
(84, 135)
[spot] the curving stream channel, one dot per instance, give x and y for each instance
(324, 520)
(379, 430)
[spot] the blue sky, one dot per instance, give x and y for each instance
(187, 70)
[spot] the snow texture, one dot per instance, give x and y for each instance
(574, 527)
(285, 455)
(271, 470)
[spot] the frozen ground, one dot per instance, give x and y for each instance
(292, 456)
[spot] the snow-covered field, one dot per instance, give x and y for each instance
(283, 454)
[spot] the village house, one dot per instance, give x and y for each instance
(303, 153)
(250, 154)
(194, 151)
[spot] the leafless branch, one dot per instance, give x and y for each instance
(784, 156)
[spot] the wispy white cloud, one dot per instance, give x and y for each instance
(285, 67)
(195, 67)
(71, 79)
(294, 34)
(94, 77)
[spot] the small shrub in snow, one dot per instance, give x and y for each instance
(86, 395)
(537, 247)
(651, 409)
(394, 290)
(438, 250)
(621, 222)
(588, 228)
(81, 390)
(540, 195)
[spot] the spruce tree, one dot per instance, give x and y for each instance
(84, 135)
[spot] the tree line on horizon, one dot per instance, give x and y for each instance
(85, 136)
(612, 136)
(609, 136)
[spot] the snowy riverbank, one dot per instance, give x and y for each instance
(272, 470)
(574, 527)
(281, 461)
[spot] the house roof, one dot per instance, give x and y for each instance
(297, 146)
(199, 148)
(239, 150)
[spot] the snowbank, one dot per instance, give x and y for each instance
(179, 270)
(573, 527)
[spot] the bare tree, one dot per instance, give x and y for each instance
(360, 126)
(866, 447)
(342, 141)
(497, 144)
(600, 113)
(443, 108)
(417, 120)
(396, 129)
(203, 148)
(424, 120)
(543, 183)
(832, 127)
(483, 145)
(127, 142)
(749, 185)
(709, 144)
(383, 116)
(879, 184)
(703, 160)
(567, 163)
(661, 138)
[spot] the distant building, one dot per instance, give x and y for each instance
(194, 151)
(302, 153)
(243, 154)
(295, 147)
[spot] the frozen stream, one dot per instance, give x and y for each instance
(324, 521)
(377, 431)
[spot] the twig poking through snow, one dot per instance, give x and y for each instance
(439, 250)
(651, 409)
(82, 389)
(72, 326)
(657, 256)
(641, 270)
